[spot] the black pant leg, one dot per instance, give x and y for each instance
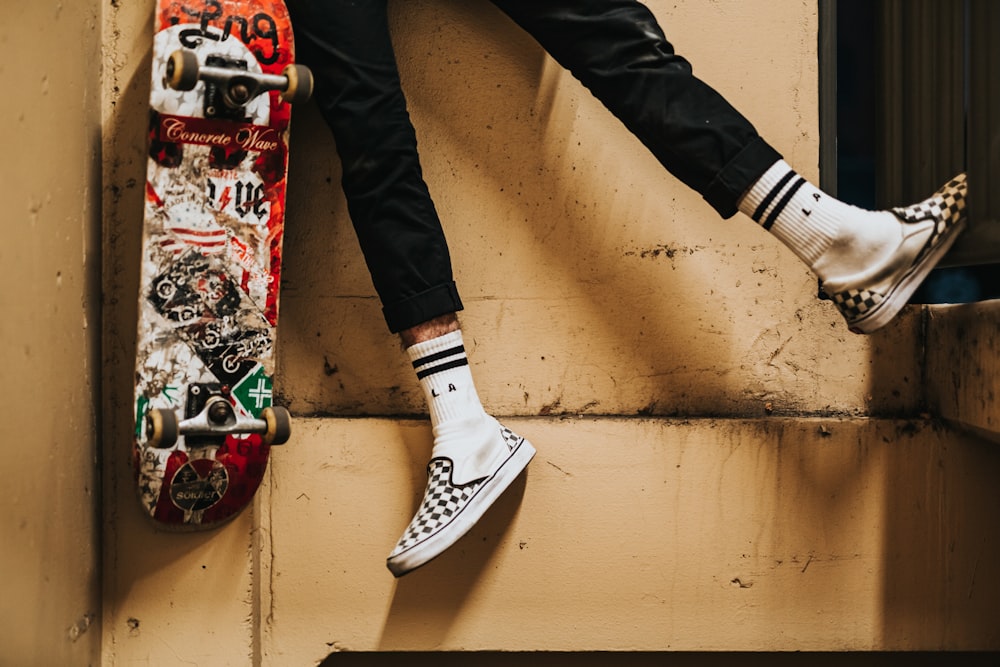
(617, 49)
(347, 45)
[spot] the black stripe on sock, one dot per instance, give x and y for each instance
(780, 206)
(431, 358)
(443, 367)
(759, 213)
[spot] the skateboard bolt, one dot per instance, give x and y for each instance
(218, 412)
(240, 93)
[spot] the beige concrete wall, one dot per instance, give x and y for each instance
(709, 473)
(704, 535)
(50, 330)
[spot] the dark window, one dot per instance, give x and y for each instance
(910, 95)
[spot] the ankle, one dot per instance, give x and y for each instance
(832, 238)
(797, 213)
(442, 368)
(433, 328)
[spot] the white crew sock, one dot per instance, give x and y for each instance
(463, 432)
(831, 237)
(443, 370)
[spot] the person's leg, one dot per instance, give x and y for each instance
(870, 263)
(474, 459)
(357, 90)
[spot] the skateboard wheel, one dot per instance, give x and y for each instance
(161, 428)
(279, 425)
(300, 84)
(182, 70)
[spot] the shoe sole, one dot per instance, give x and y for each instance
(426, 551)
(897, 299)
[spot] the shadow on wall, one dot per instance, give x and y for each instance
(941, 508)
(437, 601)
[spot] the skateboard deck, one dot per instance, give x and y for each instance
(223, 80)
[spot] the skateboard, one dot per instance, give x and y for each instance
(223, 82)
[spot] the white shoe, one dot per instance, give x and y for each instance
(461, 486)
(870, 298)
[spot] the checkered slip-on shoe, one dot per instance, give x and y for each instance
(929, 230)
(449, 510)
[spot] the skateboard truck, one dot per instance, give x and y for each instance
(234, 85)
(209, 417)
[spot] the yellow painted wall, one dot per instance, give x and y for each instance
(50, 184)
(716, 468)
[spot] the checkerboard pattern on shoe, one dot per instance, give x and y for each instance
(869, 307)
(945, 206)
(854, 304)
(449, 510)
(441, 503)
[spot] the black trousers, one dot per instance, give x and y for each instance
(615, 48)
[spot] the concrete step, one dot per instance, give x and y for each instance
(625, 534)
